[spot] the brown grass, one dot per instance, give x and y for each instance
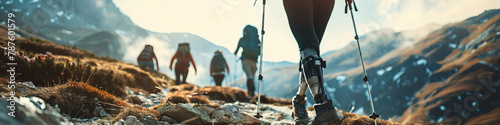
(78, 99)
(177, 99)
(353, 119)
(199, 100)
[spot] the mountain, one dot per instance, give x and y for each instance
(449, 76)
(415, 76)
(100, 27)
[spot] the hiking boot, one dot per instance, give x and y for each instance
(325, 114)
(299, 112)
(250, 95)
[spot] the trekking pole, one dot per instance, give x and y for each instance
(258, 115)
(374, 116)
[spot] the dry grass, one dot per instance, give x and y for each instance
(79, 99)
(353, 119)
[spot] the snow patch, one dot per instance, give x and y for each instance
(440, 119)
(482, 44)
(329, 89)
(422, 62)
(488, 64)
(359, 111)
(67, 32)
(341, 78)
(403, 69)
(442, 108)
(380, 72)
(428, 71)
(388, 69)
(453, 36)
(452, 45)
(60, 13)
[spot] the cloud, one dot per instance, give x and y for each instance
(411, 14)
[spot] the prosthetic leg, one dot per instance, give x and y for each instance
(311, 68)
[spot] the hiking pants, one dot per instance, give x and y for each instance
(218, 79)
(249, 67)
(178, 73)
(308, 20)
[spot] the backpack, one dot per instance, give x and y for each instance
(146, 54)
(183, 54)
(218, 63)
(250, 42)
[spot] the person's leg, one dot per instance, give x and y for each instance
(301, 21)
(247, 68)
(308, 19)
(184, 75)
(253, 67)
(299, 101)
(177, 76)
(322, 10)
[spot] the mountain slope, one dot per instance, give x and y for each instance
(442, 71)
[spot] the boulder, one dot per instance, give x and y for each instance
(148, 120)
(169, 120)
(29, 110)
(132, 120)
(183, 113)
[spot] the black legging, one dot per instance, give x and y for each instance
(178, 73)
(308, 20)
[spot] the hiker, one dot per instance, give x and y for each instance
(251, 50)
(183, 57)
(145, 59)
(308, 20)
(217, 67)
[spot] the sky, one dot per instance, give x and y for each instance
(222, 21)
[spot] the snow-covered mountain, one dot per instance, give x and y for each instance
(421, 74)
(443, 77)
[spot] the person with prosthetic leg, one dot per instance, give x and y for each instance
(308, 20)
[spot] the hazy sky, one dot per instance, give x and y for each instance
(222, 21)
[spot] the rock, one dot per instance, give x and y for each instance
(102, 122)
(183, 113)
(132, 120)
(134, 99)
(99, 111)
(32, 110)
(148, 120)
(169, 120)
(24, 86)
(228, 114)
(94, 118)
(103, 43)
(121, 122)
